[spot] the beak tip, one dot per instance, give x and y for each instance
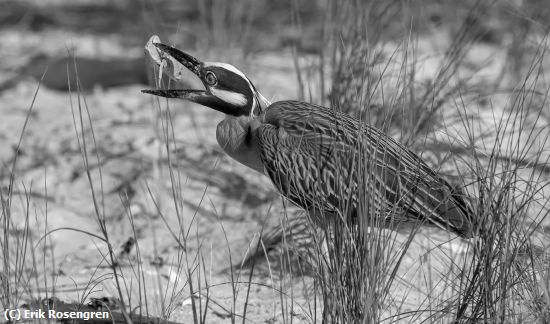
(182, 58)
(158, 93)
(161, 46)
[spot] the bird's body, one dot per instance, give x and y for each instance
(323, 160)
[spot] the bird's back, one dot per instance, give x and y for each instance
(323, 159)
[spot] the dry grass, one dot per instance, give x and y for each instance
(357, 270)
(503, 264)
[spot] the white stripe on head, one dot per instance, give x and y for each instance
(236, 99)
(259, 101)
(231, 68)
(228, 67)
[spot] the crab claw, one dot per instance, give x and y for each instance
(163, 61)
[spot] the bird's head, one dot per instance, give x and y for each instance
(227, 89)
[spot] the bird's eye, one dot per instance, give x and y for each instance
(211, 78)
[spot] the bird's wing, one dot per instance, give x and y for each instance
(323, 159)
(303, 171)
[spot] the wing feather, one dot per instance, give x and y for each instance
(325, 160)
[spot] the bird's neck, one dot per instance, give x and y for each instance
(238, 138)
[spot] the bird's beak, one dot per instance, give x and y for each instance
(173, 62)
(174, 54)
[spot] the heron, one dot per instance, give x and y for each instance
(330, 164)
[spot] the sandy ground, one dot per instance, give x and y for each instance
(222, 205)
(225, 203)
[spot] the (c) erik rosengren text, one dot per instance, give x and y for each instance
(27, 314)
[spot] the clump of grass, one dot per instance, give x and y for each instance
(380, 86)
(501, 262)
(509, 185)
(225, 24)
(16, 244)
